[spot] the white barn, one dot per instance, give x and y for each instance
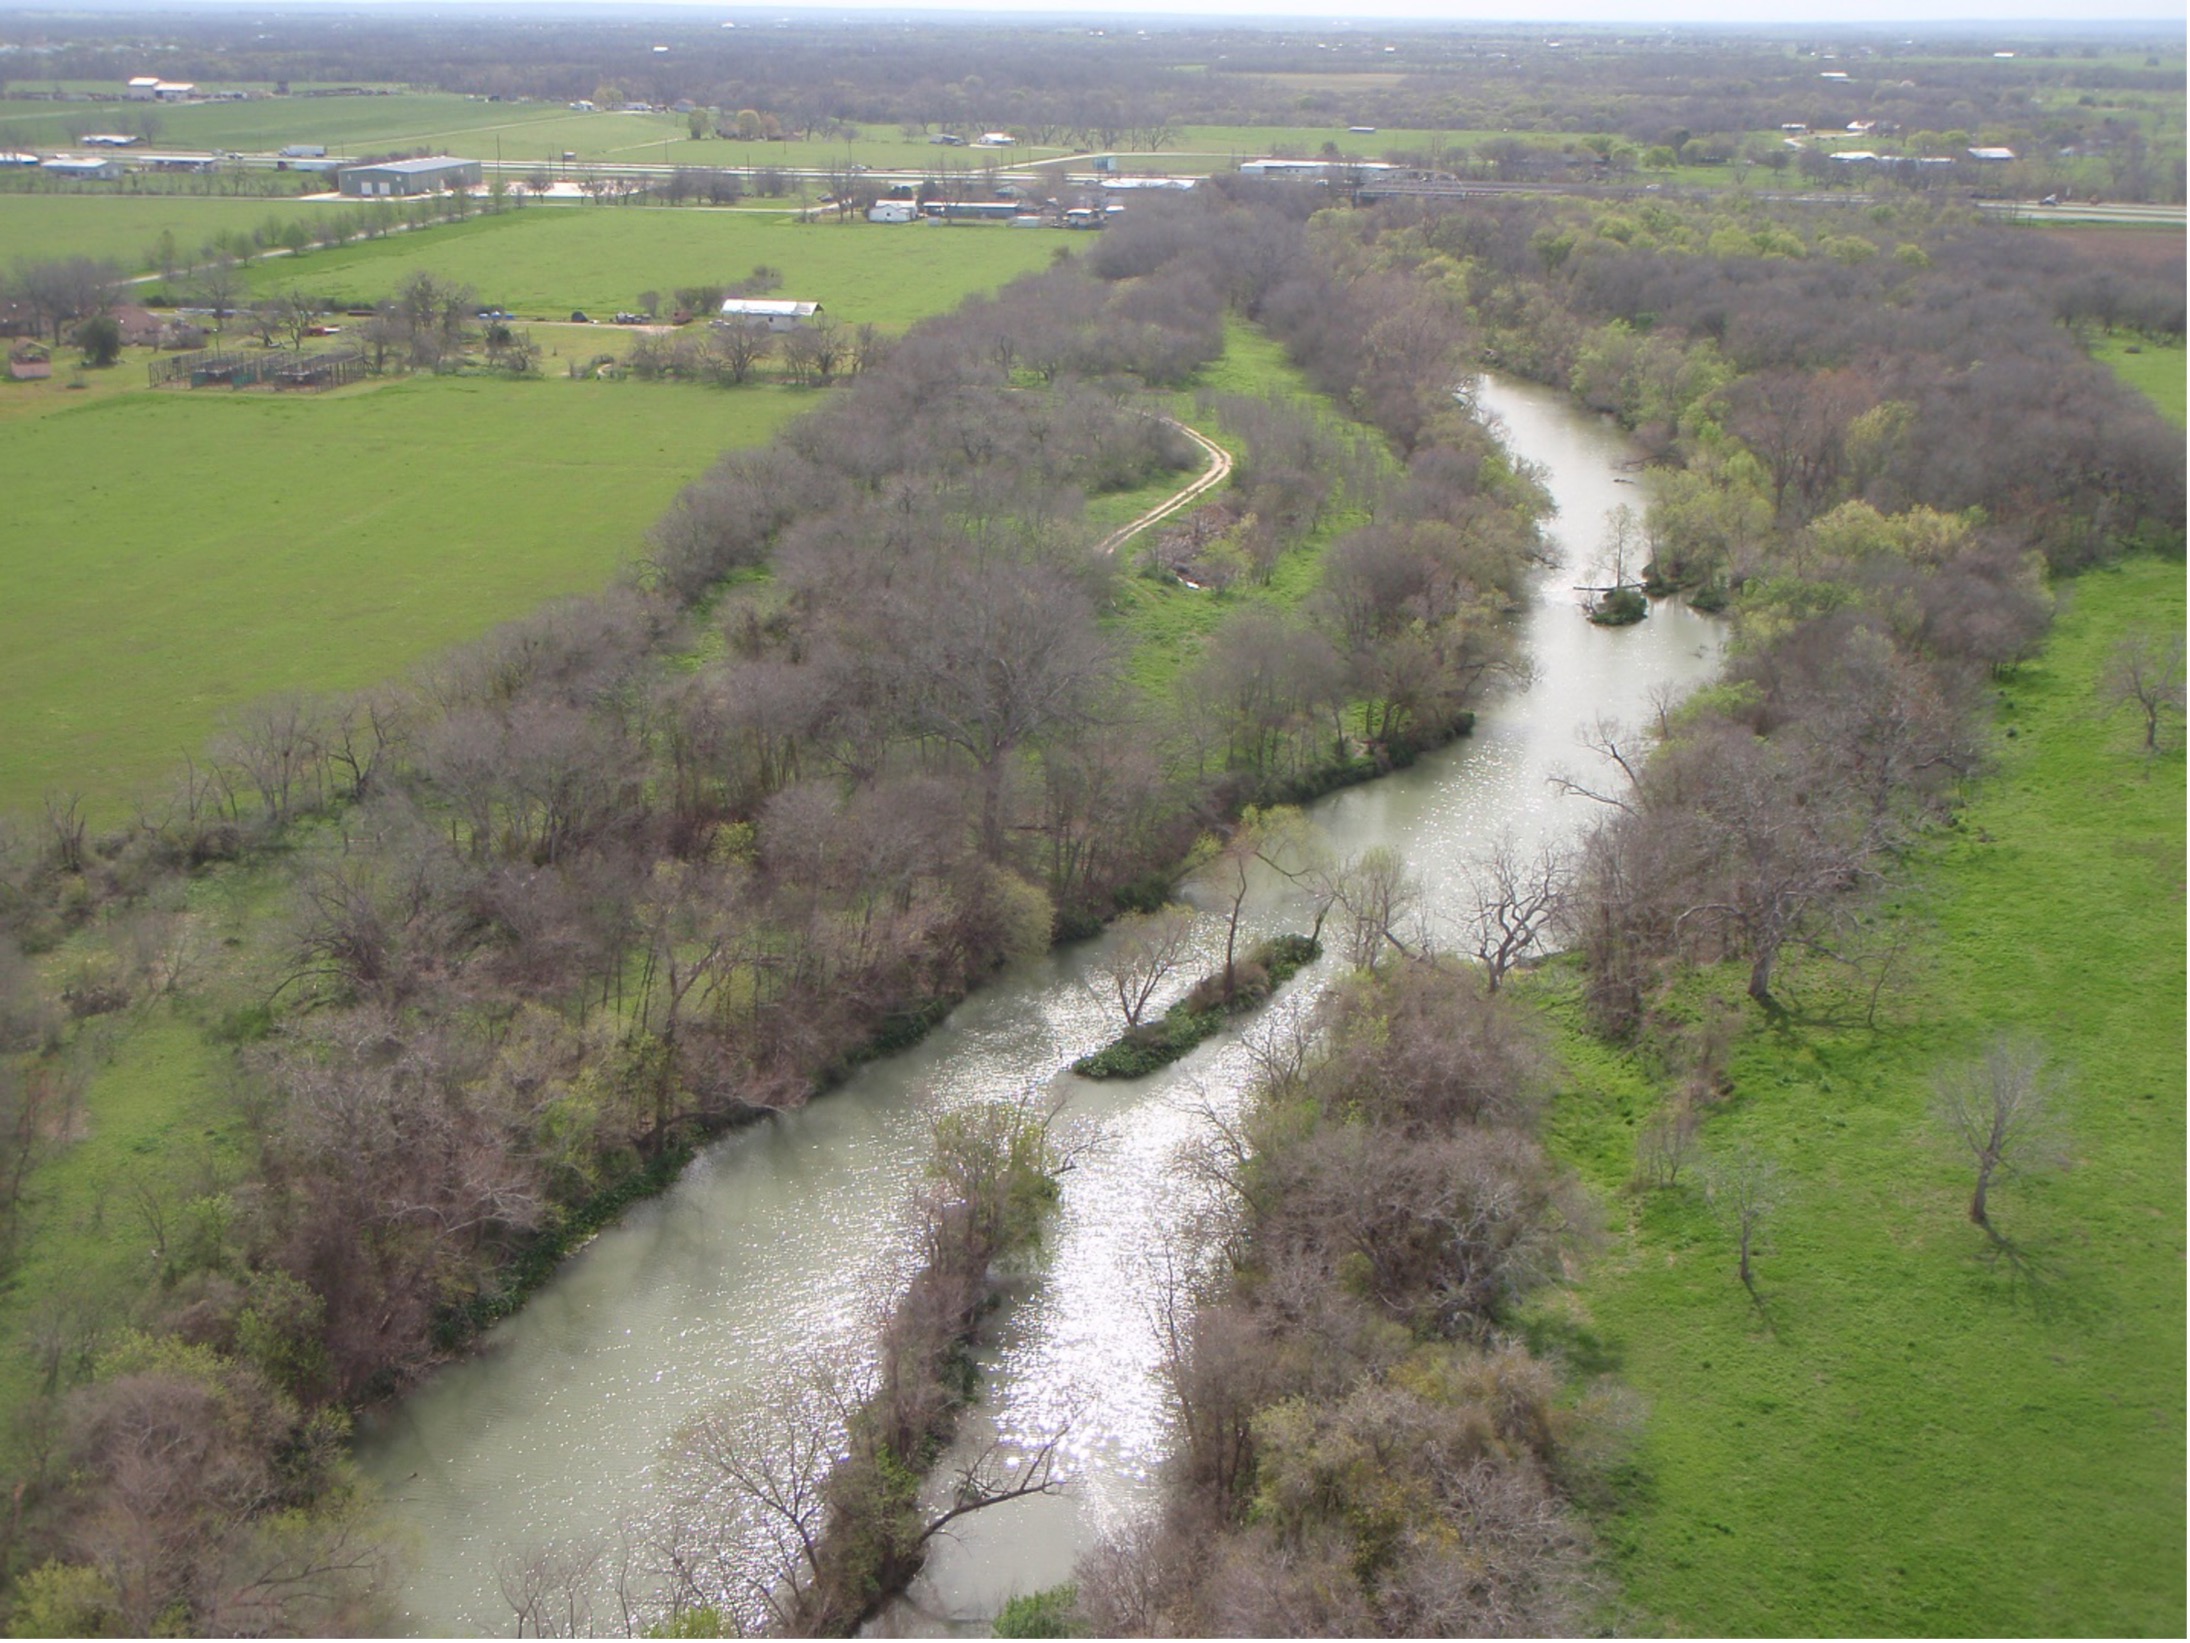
(777, 313)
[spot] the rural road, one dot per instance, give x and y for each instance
(1218, 471)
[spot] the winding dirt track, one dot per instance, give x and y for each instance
(1218, 471)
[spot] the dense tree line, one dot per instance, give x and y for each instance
(1879, 436)
(1362, 1451)
(647, 863)
(1365, 1448)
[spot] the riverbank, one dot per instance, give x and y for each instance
(1913, 1432)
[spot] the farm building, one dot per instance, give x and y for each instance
(894, 211)
(144, 88)
(1129, 185)
(396, 178)
(85, 171)
(970, 210)
(1992, 155)
(778, 314)
(1309, 170)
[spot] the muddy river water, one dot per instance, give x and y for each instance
(781, 1243)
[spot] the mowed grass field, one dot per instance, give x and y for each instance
(474, 128)
(1914, 1435)
(123, 228)
(543, 261)
(353, 125)
(2156, 372)
(171, 555)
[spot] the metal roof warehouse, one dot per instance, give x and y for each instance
(399, 177)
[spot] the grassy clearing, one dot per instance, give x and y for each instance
(1910, 1436)
(122, 228)
(172, 555)
(1165, 624)
(540, 260)
(2154, 371)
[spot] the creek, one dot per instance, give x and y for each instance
(783, 1243)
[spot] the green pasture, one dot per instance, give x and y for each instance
(880, 147)
(2152, 369)
(353, 125)
(1914, 1433)
(174, 554)
(538, 260)
(122, 228)
(477, 129)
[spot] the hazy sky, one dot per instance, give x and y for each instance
(1763, 13)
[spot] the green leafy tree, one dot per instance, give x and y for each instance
(101, 340)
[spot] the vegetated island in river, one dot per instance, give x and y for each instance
(1212, 1001)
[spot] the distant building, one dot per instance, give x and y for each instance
(395, 179)
(970, 210)
(1309, 170)
(81, 170)
(894, 211)
(777, 313)
(175, 91)
(18, 162)
(1992, 154)
(144, 88)
(109, 139)
(1129, 185)
(996, 139)
(304, 151)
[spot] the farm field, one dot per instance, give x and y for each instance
(354, 124)
(1911, 1435)
(877, 146)
(121, 228)
(540, 260)
(216, 548)
(535, 130)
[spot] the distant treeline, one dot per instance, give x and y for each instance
(1698, 96)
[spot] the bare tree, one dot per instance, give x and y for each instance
(549, 1587)
(299, 316)
(739, 349)
(1145, 950)
(1664, 1145)
(220, 288)
(1376, 895)
(1744, 1186)
(1512, 902)
(2002, 1109)
(2146, 671)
